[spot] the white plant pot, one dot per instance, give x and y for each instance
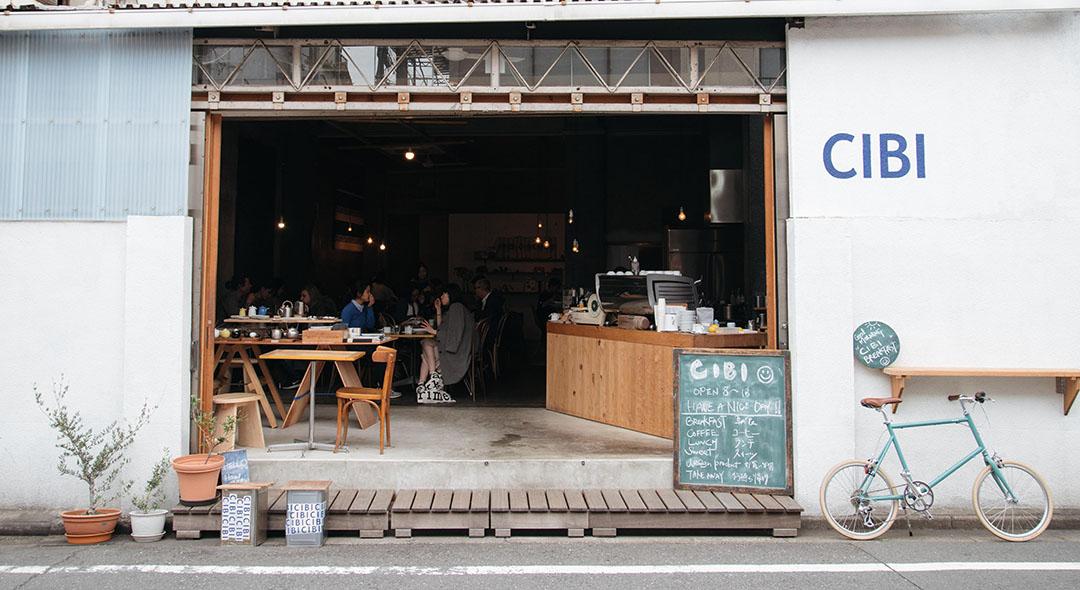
(148, 526)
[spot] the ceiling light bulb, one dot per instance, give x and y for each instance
(349, 229)
(410, 155)
(539, 225)
(382, 246)
(281, 223)
(538, 240)
(547, 244)
(682, 214)
(370, 240)
(575, 247)
(570, 220)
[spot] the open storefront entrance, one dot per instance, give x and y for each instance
(536, 205)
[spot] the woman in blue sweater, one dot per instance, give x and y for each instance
(358, 313)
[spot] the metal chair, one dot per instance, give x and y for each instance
(497, 346)
(477, 367)
(378, 398)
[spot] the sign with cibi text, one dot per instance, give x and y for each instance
(876, 344)
(733, 420)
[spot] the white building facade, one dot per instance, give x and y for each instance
(964, 241)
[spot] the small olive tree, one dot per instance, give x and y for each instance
(96, 457)
(206, 426)
(154, 493)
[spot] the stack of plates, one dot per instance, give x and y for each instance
(686, 319)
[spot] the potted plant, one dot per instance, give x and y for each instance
(148, 520)
(197, 475)
(97, 458)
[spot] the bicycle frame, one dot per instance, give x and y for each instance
(893, 442)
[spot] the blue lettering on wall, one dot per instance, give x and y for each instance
(893, 156)
(827, 155)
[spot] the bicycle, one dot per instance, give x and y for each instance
(1011, 500)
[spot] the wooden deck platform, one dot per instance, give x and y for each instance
(371, 513)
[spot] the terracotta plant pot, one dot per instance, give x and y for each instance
(81, 528)
(198, 478)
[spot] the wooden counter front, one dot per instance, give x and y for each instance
(622, 377)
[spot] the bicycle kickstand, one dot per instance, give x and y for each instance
(907, 519)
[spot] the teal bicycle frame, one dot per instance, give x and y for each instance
(894, 443)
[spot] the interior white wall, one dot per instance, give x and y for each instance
(105, 305)
(974, 265)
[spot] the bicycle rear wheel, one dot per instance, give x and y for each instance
(1020, 520)
(851, 513)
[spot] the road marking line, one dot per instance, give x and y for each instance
(536, 570)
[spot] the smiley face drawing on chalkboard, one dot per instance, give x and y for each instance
(765, 374)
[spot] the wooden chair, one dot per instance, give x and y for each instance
(244, 408)
(378, 398)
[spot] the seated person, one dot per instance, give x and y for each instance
(359, 312)
(491, 306)
(446, 357)
(415, 307)
(317, 304)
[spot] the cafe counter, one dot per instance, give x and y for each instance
(622, 377)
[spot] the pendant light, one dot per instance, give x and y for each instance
(682, 214)
(570, 218)
(370, 240)
(382, 246)
(281, 222)
(575, 248)
(547, 243)
(410, 155)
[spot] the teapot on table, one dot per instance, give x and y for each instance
(286, 309)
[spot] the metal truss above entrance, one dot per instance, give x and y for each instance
(464, 75)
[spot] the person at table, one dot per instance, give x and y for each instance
(420, 281)
(233, 296)
(316, 303)
(416, 305)
(360, 312)
(489, 303)
(445, 358)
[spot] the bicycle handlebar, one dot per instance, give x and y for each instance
(978, 397)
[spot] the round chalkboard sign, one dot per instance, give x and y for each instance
(876, 344)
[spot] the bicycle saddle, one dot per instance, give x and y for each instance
(877, 402)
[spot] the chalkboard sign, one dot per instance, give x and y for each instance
(733, 420)
(876, 344)
(235, 469)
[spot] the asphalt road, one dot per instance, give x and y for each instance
(817, 559)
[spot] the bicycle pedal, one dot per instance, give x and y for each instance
(927, 514)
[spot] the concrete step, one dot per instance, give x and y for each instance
(626, 473)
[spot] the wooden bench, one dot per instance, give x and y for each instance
(1068, 380)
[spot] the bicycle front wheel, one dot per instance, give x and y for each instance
(848, 510)
(1020, 519)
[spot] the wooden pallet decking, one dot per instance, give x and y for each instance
(539, 510)
(610, 510)
(363, 511)
(440, 510)
(373, 512)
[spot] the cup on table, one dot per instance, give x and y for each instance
(388, 330)
(408, 329)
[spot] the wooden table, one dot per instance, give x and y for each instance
(1068, 380)
(247, 349)
(236, 319)
(343, 360)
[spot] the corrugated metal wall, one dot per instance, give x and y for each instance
(94, 124)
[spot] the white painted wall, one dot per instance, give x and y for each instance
(106, 306)
(974, 265)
